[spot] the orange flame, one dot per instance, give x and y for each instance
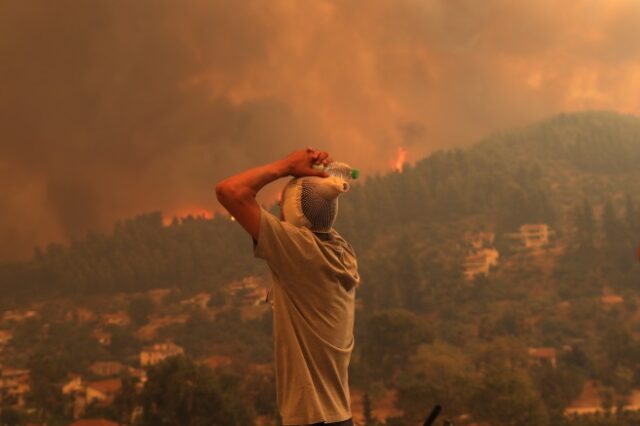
(397, 163)
(181, 213)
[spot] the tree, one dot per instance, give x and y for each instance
(611, 224)
(389, 339)
(180, 393)
(126, 399)
(558, 387)
(369, 418)
(507, 397)
(10, 417)
(139, 310)
(437, 374)
(585, 225)
(47, 372)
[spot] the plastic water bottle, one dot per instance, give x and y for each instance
(340, 170)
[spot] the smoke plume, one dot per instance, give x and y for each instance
(112, 108)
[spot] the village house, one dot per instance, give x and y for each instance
(200, 300)
(611, 299)
(148, 331)
(247, 283)
(543, 356)
(119, 319)
(250, 291)
(94, 422)
(86, 393)
(19, 316)
(103, 391)
(14, 385)
(216, 361)
(480, 262)
(73, 385)
(81, 315)
(479, 240)
(534, 235)
(151, 355)
(103, 337)
(140, 375)
(5, 338)
(106, 368)
(253, 297)
(157, 295)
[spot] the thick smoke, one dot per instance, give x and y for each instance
(111, 108)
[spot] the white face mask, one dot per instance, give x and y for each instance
(312, 201)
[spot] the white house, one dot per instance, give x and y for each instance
(480, 262)
(151, 355)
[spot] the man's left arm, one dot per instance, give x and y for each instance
(237, 194)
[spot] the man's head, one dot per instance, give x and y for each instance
(312, 201)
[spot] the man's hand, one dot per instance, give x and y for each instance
(300, 163)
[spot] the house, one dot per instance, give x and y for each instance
(94, 422)
(102, 390)
(200, 300)
(85, 393)
(543, 356)
(120, 319)
(73, 385)
(247, 283)
(139, 374)
(534, 235)
(253, 297)
(250, 291)
(106, 368)
(217, 361)
(18, 316)
(103, 337)
(148, 331)
(157, 295)
(151, 355)
(14, 385)
(611, 299)
(480, 262)
(81, 315)
(479, 240)
(5, 337)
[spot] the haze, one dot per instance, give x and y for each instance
(113, 108)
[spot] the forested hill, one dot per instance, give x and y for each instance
(405, 226)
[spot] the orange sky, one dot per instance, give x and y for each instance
(109, 109)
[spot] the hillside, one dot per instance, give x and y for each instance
(554, 305)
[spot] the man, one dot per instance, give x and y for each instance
(314, 275)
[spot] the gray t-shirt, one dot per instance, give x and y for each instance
(314, 301)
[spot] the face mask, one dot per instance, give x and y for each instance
(312, 201)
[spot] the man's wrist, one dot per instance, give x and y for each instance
(281, 168)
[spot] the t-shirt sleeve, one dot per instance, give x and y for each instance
(281, 244)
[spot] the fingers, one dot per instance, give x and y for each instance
(322, 158)
(318, 157)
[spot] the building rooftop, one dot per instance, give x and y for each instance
(94, 422)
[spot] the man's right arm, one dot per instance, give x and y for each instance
(238, 193)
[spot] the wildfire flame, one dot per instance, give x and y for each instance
(397, 163)
(198, 212)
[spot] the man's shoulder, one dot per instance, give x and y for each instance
(279, 226)
(336, 243)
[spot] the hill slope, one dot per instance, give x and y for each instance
(535, 174)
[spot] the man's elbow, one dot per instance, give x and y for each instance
(228, 194)
(222, 191)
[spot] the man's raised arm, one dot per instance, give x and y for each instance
(238, 193)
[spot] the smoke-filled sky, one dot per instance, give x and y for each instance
(109, 108)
